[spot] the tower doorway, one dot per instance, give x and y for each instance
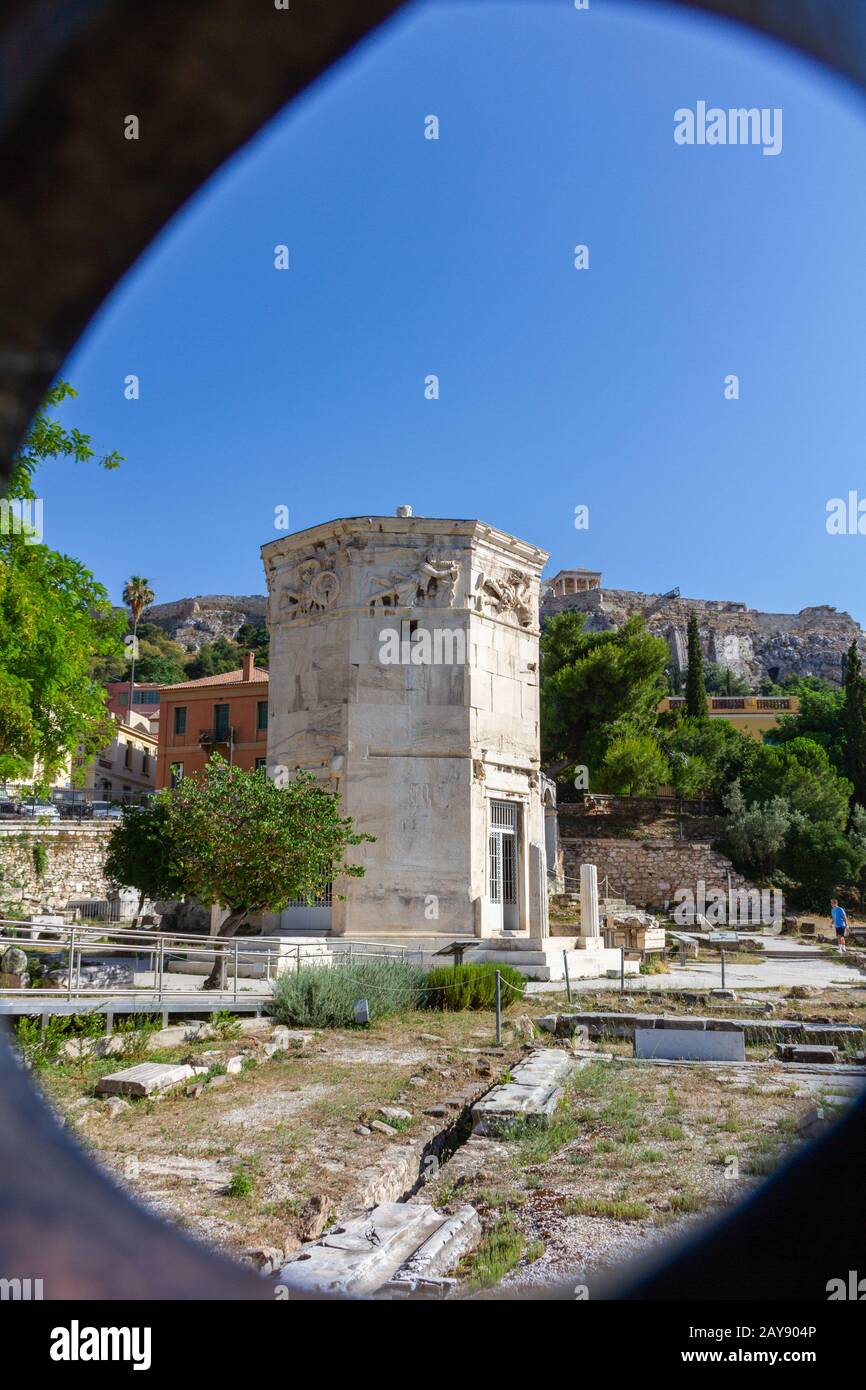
(502, 859)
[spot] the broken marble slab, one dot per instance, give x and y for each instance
(147, 1079)
(533, 1092)
(395, 1241)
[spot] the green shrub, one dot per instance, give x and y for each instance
(456, 987)
(39, 1046)
(225, 1025)
(323, 996)
(240, 1184)
(136, 1032)
(40, 858)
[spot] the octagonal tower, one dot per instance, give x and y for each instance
(404, 669)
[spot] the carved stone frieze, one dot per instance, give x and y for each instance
(509, 594)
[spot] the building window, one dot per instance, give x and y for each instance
(221, 721)
(180, 719)
(127, 755)
(260, 762)
(123, 697)
(176, 773)
(145, 697)
(145, 763)
(262, 715)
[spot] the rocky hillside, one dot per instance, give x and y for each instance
(194, 621)
(752, 644)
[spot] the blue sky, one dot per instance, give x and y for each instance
(605, 388)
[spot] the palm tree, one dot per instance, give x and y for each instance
(137, 595)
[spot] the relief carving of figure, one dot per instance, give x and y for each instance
(431, 579)
(510, 594)
(311, 590)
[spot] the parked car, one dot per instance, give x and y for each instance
(40, 810)
(105, 810)
(10, 810)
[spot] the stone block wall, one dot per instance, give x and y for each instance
(74, 865)
(648, 872)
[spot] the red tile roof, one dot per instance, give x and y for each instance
(227, 678)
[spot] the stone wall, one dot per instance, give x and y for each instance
(74, 859)
(648, 872)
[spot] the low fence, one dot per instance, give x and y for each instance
(249, 965)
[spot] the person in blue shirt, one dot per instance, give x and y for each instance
(840, 922)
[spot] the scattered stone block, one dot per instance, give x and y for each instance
(394, 1112)
(723, 993)
(146, 1079)
(234, 1066)
(814, 1123)
(805, 1052)
(12, 979)
(690, 1044)
(115, 1106)
(832, 1034)
(362, 1129)
(314, 1218)
(533, 1092)
(267, 1259)
(381, 1128)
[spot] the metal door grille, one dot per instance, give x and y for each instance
(502, 848)
(503, 815)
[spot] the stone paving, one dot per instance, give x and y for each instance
(812, 967)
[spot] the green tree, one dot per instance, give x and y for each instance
(755, 835)
(141, 854)
(721, 680)
(214, 659)
(822, 859)
(254, 638)
(54, 620)
(633, 764)
(854, 724)
(239, 839)
(159, 658)
(696, 693)
(819, 718)
(706, 755)
(137, 595)
(596, 683)
(802, 773)
(47, 439)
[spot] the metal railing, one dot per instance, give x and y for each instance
(249, 965)
(75, 804)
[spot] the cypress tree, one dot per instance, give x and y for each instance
(854, 722)
(696, 692)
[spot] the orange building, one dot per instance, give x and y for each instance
(755, 715)
(226, 714)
